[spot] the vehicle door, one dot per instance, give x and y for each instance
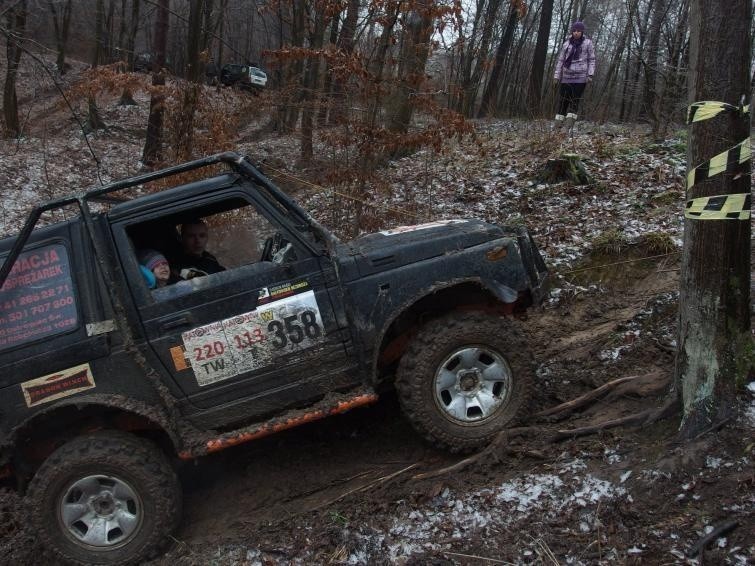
(263, 325)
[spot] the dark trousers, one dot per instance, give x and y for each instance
(569, 96)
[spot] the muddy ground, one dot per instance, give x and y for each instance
(331, 492)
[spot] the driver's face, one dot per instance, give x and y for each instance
(194, 238)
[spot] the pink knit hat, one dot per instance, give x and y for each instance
(151, 259)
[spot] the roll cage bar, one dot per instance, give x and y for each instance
(238, 163)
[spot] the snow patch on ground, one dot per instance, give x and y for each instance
(452, 517)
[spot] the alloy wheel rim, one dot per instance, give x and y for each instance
(472, 384)
(101, 512)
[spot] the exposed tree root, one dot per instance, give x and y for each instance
(500, 441)
(652, 384)
(719, 531)
(460, 465)
(643, 418)
(648, 385)
(500, 444)
(569, 407)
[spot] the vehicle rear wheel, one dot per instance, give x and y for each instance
(464, 378)
(105, 498)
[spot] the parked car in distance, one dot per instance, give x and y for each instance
(257, 77)
(243, 76)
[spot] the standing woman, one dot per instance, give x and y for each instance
(575, 68)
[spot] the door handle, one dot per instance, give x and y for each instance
(177, 322)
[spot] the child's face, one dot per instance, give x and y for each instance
(162, 272)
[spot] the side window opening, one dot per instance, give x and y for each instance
(205, 241)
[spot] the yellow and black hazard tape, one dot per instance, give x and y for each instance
(707, 109)
(735, 161)
(719, 207)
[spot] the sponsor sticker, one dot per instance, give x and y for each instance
(37, 298)
(57, 385)
(178, 355)
(288, 321)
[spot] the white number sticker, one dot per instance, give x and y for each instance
(251, 340)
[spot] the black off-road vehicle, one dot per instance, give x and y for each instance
(107, 383)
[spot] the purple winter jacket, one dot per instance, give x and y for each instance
(580, 68)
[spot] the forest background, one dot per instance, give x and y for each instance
(358, 71)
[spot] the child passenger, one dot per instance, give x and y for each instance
(155, 268)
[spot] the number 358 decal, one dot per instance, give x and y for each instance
(251, 340)
(294, 328)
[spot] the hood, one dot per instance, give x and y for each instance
(393, 248)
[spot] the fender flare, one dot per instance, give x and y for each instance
(501, 292)
(152, 413)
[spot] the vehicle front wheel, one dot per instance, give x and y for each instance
(464, 378)
(105, 498)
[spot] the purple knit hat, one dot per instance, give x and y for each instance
(151, 259)
(578, 26)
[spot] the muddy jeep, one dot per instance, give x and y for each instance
(108, 383)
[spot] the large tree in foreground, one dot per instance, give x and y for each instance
(715, 345)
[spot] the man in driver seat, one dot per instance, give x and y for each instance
(194, 259)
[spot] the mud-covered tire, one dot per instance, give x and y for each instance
(464, 378)
(125, 489)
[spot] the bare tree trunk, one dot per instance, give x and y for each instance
(513, 97)
(622, 45)
(127, 98)
(489, 97)
(672, 80)
(715, 351)
(132, 30)
(625, 102)
(122, 31)
(468, 53)
(326, 98)
(108, 45)
(61, 20)
(153, 142)
(538, 58)
(16, 17)
(660, 11)
(291, 99)
(207, 27)
(472, 85)
(221, 34)
(185, 126)
(418, 28)
(378, 62)
(94, 121)
(309, 87)
(345, 48)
